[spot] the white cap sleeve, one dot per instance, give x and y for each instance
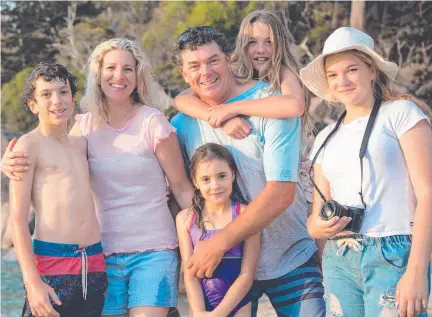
(405, 115)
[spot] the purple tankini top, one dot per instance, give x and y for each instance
(215, 288)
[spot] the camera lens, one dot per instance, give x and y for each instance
(330, 209)
(329, 212)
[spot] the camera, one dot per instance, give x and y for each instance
(332, 208)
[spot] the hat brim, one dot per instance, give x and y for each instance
(314, 77)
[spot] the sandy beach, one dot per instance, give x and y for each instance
(264, 308)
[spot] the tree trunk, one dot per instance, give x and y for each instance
(334, 21)
(357, 16)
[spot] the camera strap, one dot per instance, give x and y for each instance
(319, 150)
(362, 151)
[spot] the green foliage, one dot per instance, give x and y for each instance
(317, 31)
(173, 18)
(214, 13)
(80, 82)
(34, 31)
(29, 28)
(15, 116)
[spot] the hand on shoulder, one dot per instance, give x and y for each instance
(28, 144)
(16, 158)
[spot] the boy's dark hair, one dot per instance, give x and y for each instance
(193, 38)
(49, 71)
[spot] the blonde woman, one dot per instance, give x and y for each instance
(376, 261)
(131, 148)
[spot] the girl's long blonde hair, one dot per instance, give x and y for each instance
(382, 85)
(94, 98)
(281, 39)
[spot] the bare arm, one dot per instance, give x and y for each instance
(290, 104)
(193, 287)
(170, 157)
(274, 199)
(280, 159)
(189, 103)
(20, 198)
(412, 295)
(317, 227)
(14, 163)
(243, 283)
(281, 156)
(294, 94)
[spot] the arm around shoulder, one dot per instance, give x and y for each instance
(291, 88)
(271, 202)
(290, 103)
(281, 160)
(28, 144)
(251, 251)
(188, 102)
(20, 191)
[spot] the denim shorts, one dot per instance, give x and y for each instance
(361, 274)
(141, 279)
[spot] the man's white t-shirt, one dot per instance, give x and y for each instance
(387, 188)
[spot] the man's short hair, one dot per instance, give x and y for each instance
(50, 72)
(193, 38)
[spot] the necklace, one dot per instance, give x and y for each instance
(126, 117)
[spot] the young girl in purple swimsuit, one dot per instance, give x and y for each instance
(216, 203)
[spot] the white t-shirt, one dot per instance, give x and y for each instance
(387, 188)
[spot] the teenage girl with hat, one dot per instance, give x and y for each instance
(385, 266)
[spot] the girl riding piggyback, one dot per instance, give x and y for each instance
(216, 203)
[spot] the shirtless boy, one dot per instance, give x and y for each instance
(64, 269)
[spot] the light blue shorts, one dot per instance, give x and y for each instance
(141, 279)
(361, 281)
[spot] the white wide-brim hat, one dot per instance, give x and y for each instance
(343, 39)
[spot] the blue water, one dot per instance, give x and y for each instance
(11, 289)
